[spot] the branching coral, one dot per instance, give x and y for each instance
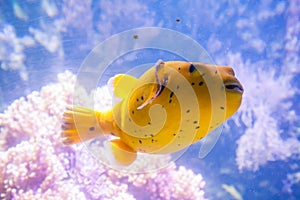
(35, 164)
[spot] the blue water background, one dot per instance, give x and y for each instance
(197, 19)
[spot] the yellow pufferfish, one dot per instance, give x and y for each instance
(171, 106)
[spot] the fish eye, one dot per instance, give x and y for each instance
(166, 78)
(192, 68)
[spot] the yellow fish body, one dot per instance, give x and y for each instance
(171, 106)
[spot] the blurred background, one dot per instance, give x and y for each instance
(258, 153)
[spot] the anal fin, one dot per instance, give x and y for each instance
(122, 153)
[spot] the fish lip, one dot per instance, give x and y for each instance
(234, 87)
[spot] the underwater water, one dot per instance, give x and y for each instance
(45, 44)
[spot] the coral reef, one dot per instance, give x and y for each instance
(259, 40)
(35, 164)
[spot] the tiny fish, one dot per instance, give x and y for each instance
(166, 109)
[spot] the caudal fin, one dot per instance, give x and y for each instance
(79, 124)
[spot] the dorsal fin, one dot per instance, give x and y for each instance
(122, 84)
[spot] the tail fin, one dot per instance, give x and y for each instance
(79, 124)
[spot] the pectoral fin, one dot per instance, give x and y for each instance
(122, 84)
(161, 84)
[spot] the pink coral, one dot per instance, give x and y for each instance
(34, 164)
(165, 183)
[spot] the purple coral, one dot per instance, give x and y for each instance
(35, 164)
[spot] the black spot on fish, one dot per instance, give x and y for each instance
(195, 122)
(177, 87)
(197, 127)
(171, 95)
(174, 134)
(170, 101)
(142, 97)
(149, 123)
(180, 130)
(192, 68)
(188, 110)
(177, 20)
(200, 83)
(152, 140)
(222, 107)
(140, 141)
(151, 135)
(112, 133)
(193, 83)
(135, 37)
(137, 100)
(132, 112)
(179, 68)
(92, 128)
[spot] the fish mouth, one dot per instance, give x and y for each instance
(234, 87)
